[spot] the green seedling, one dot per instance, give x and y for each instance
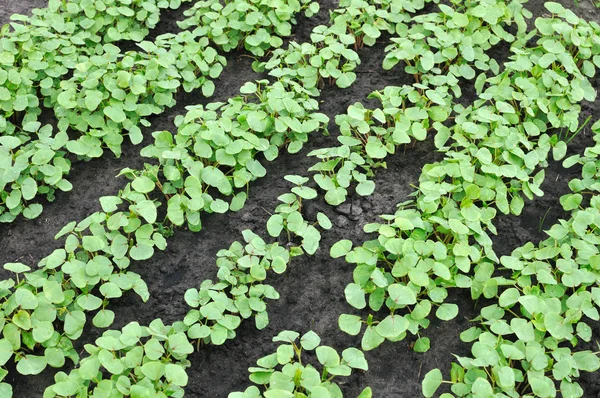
(285, 373)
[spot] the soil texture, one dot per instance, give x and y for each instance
(312, 290)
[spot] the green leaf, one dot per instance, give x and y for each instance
(104, 318)
(218, 334)
(93, 98)
(336, 196)
(431, 382)
(365, 188)
(286, 336)
(427, 61)
(113, 364)
(208, 88)
(25, 299)
(92, 243)
(6, 390)
(17, 268)
(143, 184)
(371, 339)
(422, 344)
(74, 322)
(22, 319)
(447, 311)
(31, 365)
(571, 202)
(392, 326)
(211, 311)
(89, 368)
(153, 349)
(467, 71)
(559, 150)
(310, 340)
(66, 388)
(153, 370)
(238, 201)
(324, 221)
(355, 358)
(115, 113)
(89, 302)
(275, 225)
(402, 295)
(509, 297)
(6, 351)
(340, 248)
(327, 356)
(146, 209)
(375, 149)
(350, 324)
(110, 203)
(55, 357)
(249, 88)
(176, 374)
(554, 8)
(141, 252)
(345, 79)
(355, 296)
(29, 188)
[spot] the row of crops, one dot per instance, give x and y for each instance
(493, 155)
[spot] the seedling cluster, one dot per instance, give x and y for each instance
(494, 152)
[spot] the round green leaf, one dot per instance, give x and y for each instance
(340, 248)
(153, 370)
(327, 356)
(31, 365)
(355, 296)
(431, 382)
(447, 311)
(176, 374)
(310, 340)
(402, 295)
(350, 324)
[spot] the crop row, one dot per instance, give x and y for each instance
(422, 253)
(526, 342)
(212, 153)
(495, 153)
(175, 162)
(287, 217)
(437, 241)
(65, 58)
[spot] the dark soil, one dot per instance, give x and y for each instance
(312, 288)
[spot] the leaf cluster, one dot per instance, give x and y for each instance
(285, 373)
(439, 240)
(256, 25)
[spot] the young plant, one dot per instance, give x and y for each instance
(439, 240)
(201, 161)
(134, 361)
(525, 344)
(451, 44)
(286, 373)
(256, 25)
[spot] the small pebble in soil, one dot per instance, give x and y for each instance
(344, 208)
(247, 216)
(357, 211)
(341, 221)
(366, 205)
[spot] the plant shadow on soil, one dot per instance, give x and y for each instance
(312, 289)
